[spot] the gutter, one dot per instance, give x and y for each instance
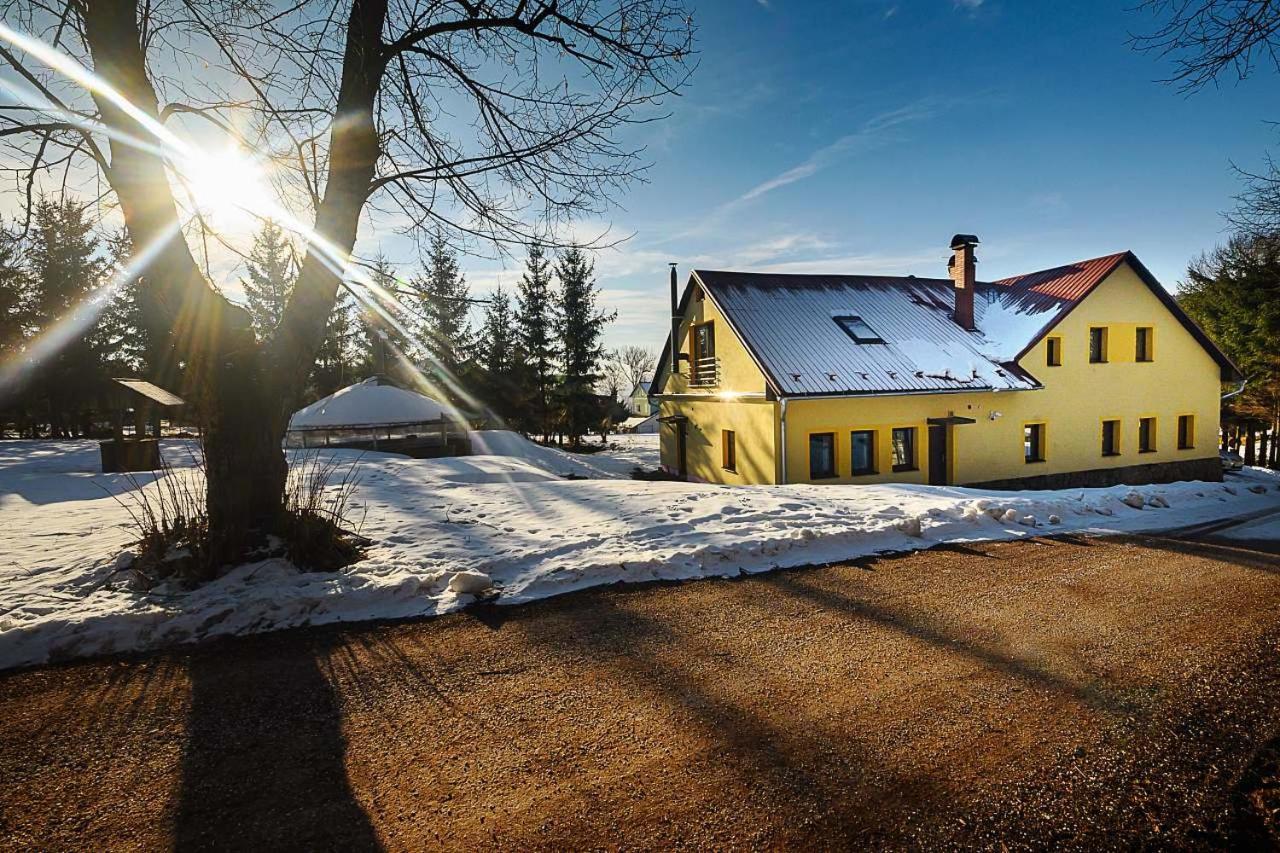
(1229, 395)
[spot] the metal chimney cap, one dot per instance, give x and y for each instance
(961, 240)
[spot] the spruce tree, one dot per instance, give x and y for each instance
(66, 272)
(581, 325)
(535, 336)
(496, 353)
(271, 277)
(15, 326)
(382, 347)
(15, 295)
(121, 336)
(335, 360)
(443, 330)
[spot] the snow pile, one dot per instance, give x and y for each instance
(503, 527)
(632, 451)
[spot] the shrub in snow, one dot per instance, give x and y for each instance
(469, 582)
(1055, 519)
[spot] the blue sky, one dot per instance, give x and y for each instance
(859, 136)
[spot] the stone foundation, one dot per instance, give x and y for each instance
(1131, 475)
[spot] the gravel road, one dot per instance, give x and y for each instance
(1070, 692)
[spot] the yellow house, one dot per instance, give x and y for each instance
(1086, 374)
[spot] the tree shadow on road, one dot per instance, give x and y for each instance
(263, 764)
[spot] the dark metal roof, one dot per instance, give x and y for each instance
(788, 323)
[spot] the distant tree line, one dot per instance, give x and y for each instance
(533, 362)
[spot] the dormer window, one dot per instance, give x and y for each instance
(857, 328)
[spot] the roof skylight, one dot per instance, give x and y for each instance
(857, 328)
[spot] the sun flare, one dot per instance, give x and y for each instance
(228, 187)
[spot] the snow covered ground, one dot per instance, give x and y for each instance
(502, 523)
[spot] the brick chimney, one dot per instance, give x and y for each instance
(961, 267)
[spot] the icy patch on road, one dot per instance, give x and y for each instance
(504, 526)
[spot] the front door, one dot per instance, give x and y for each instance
(937, 455)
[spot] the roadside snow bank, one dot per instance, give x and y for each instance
(506, 527)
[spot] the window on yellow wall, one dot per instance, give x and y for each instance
(822, 456)
(1033, 443)
(862, 452)
(904, 449)
(1146, 435)
(1110, 438)
(1098, 345)
(1053, 352)
(1186, 432)
(729, 450)
(1144, 349)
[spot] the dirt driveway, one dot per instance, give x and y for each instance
(1098, 693)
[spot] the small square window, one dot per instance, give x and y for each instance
(904, 449)
(857, 328)
(1098, 345)
(1143, 350)
(1053, 352)
(1186, 432)
(1146, 435)
(862, 451)
(1110, 438)
(1033, 443)
(822, 456)
(729, 450)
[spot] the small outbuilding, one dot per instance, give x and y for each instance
(143, 401)
(377, 414)
(640, 425)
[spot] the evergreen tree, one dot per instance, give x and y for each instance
(444, 330)
(1234, 294)
(120, 335)
(382, 348)
(335, 361)
(66, 270)
(581, 325)
(15, 326)
(15, 295)
(496, 352)
(535, 337)
(271, 276)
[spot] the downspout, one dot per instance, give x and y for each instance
(675, 322)
(782, 418)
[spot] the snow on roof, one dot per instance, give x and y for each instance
(151, 392)
(799, 328)
(368, 404)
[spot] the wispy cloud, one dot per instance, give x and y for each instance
(873, 133)
(968, 4)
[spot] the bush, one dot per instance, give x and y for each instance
(315, 533)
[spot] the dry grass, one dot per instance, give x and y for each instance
(318, 530)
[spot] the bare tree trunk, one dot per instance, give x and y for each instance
(245, 389)
(1249, 449)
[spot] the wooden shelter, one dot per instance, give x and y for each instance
(145, 401)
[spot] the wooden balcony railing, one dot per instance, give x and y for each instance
(706, 372)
